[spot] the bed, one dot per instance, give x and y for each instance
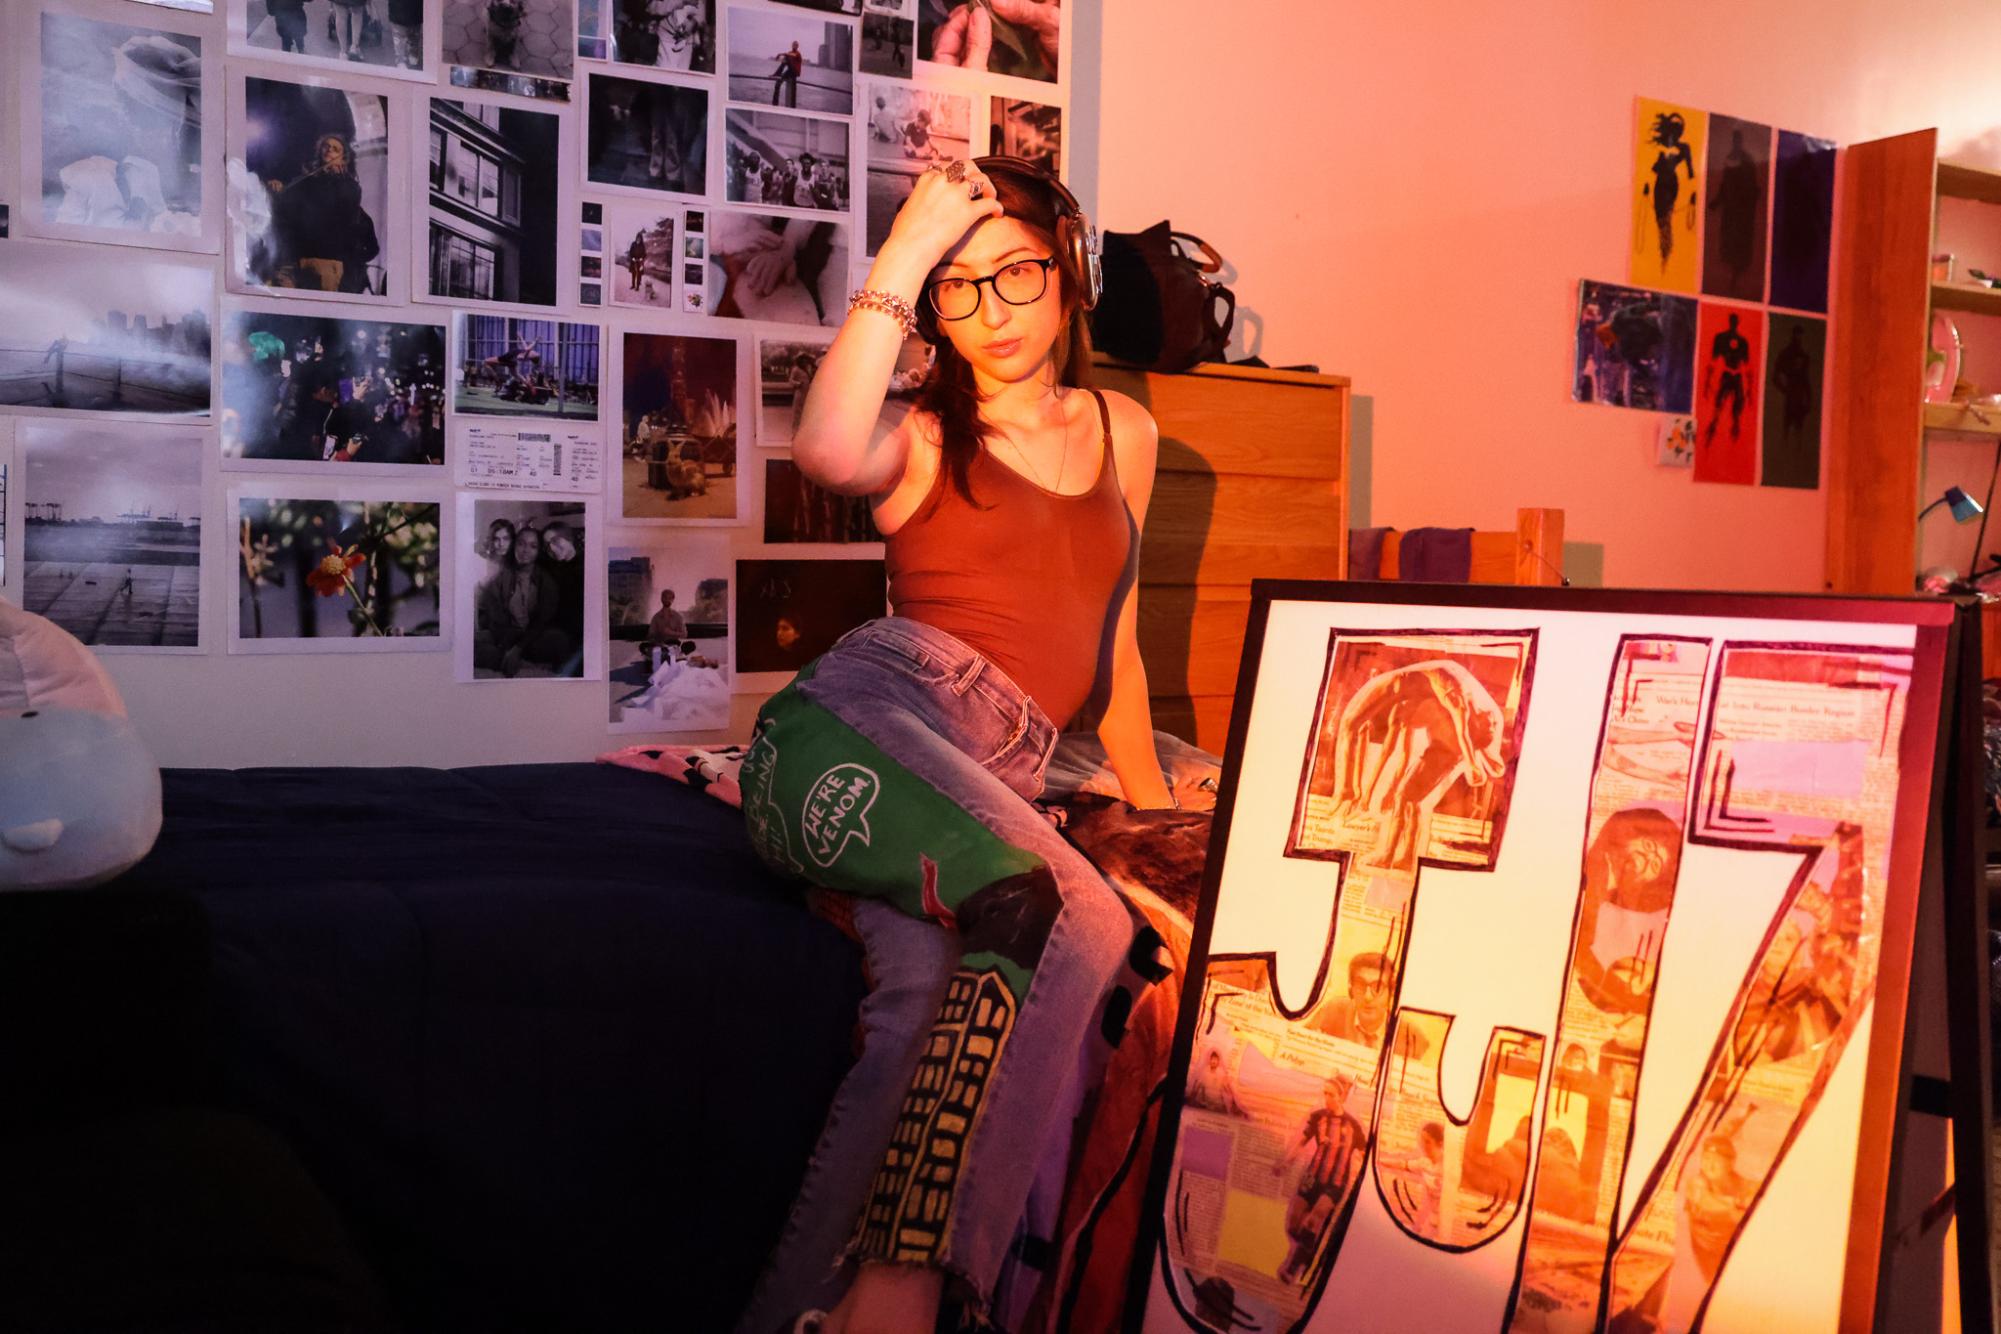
(552, 1044)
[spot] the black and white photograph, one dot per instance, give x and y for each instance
(908, 130)
(825, 6)
(667, 655)
(111, 547)
(532, 86)
(798, 510)
(679, 428)
(647, 135)
(885, 6)
(495, 200)
(313, 390)
(104, 331)
(1028, 130)
(789, 612)
(1019, 38)
(116, 135)
(678, 35)
(782, 269)
(514, 37)
(786, 367)
(641, 253)
(523, 577)
(387, 36)
(778, 159)
(357, 573)
(889, 46)
(794, 61)
(312, 208)
(193, 6)
(506, 366)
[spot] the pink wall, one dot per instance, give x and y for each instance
(1410, 193)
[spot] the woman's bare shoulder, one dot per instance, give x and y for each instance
(1133, 426)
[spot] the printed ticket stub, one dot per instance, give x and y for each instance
(524, 457)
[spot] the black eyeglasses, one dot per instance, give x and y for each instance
(1021, 283)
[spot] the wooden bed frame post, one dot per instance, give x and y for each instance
(1539, 556)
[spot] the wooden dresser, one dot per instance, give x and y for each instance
(1252, 484)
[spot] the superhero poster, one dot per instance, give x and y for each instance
(1667, 195)
(1634, 348)
(1534, 984)
(1729, 392)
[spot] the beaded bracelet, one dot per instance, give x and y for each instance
(889, 303)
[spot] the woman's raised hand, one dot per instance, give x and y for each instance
(940, 211)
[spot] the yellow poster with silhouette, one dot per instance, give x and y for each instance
(1666, 250)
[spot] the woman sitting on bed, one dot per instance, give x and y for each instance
(899, 767)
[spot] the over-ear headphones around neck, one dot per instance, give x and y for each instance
(1075, 235)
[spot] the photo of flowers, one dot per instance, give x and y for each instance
(325, 575)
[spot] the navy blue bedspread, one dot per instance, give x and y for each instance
(551, 1039)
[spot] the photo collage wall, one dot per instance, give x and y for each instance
(1723, 321)
(477, 327)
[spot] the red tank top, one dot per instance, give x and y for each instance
(1025, 576)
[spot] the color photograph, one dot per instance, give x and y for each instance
(789, 612)
(313, 389)
(311, 210)
(1028, 130)
(646, 135)
(668, 650)
(1802, 221)
(1738, 208)
(494, 197)
(1635, 349)
(1666, 196)
(784, 270)
(796, 510)
(508, 366)
(787, 161)
(387, 35)
(678, 35)
(1795, 380)
(325, 575)
(908, 130)
(1729, 392)
(514, 37)
(124, 112)
(679, 428)
(111, 548)
(641, 254)
(521, 589)
(794, 61)
(973, 34)
(104, 331)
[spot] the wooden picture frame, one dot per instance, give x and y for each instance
(1733, 1153)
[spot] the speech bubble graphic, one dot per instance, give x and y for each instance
(836, 810)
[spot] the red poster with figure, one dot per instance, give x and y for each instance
(1729, 392)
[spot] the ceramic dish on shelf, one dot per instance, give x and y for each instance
(1942, 366)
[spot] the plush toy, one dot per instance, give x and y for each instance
(79, 795)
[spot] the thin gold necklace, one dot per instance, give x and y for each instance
(1061, 463)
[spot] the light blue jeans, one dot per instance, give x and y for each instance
(899, 768)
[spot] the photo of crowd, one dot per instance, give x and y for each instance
(313, 389)
(526, 564)
(311, 210)
(787, 161)
(121, 131)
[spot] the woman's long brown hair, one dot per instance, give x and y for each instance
(950, 394)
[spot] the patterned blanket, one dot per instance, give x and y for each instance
(1155, 859)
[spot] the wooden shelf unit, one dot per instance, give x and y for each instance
(1878, 419)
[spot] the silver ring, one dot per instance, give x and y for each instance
(957, 171)
(975, 190)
